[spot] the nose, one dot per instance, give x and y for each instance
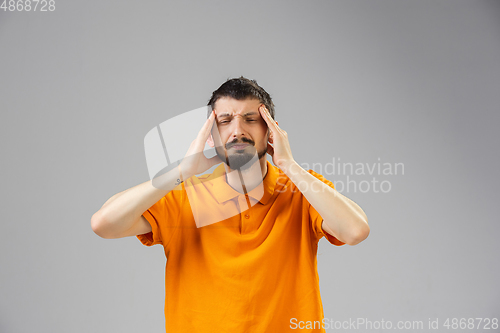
(238, 128)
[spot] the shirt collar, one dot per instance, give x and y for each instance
(223, 192)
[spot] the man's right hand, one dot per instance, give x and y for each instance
(195, 161)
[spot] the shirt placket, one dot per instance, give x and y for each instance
(245, 215)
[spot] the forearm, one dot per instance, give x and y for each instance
(345, 219)
(122, 210)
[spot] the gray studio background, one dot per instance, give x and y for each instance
(412, 82)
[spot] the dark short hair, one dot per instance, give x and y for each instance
(242, 88)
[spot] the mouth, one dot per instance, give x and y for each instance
(239, 146)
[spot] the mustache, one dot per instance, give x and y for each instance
(242, 140)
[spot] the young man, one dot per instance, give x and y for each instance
(251, 266)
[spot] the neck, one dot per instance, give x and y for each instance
(250, 177)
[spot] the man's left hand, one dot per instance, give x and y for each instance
(280, 150)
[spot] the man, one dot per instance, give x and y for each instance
(254, 270)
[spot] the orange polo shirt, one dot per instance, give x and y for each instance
(255, 271)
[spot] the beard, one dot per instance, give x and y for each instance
(240, 159)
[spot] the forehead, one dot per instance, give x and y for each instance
(231, 106)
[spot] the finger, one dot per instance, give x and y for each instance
(207, 127)
(266, 115)
(275, 125)
(204, 132)
(267, 118)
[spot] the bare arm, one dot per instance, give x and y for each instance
(342, 217)
(121, 215)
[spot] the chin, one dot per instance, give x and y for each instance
(241, 161)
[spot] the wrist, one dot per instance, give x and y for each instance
(182, 176)
(288, 167)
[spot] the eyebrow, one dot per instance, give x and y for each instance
(250, 113)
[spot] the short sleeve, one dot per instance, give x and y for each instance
(317, 220)
(163, 217)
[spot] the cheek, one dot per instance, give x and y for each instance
(267, 134)
(263, 128)
(265, 138)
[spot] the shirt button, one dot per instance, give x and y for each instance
(247, 216)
